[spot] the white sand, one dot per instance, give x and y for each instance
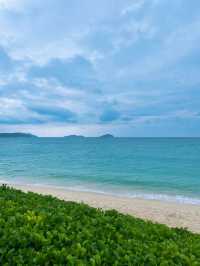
(169, 213)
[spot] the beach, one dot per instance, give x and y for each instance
(173, 214)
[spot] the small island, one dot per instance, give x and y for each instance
(17, 135)
(107, 136)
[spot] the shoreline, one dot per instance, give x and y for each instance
(173, 214)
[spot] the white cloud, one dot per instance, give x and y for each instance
(134, 55)
(14, 109)
(178, 44)
(133, 7)
(16, 5)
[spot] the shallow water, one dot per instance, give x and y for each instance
(163, 168)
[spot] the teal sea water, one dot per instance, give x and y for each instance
(161, 168)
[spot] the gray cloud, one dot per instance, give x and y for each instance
(103, 64)
(76, 72)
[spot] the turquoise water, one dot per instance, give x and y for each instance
(145, 167)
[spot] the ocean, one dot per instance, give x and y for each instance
(151, 168)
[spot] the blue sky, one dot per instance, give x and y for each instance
(126, 67)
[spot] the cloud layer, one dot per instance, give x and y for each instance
(91, 67)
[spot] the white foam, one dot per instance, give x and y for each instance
(128, 194)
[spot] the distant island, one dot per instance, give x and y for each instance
(106, 136)
(17, 135)
(28, 135)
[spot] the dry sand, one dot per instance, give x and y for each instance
(169, 213)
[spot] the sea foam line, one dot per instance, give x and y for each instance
(138, 195)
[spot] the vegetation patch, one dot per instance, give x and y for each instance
(43, 230)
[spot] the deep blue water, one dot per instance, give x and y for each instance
(148, 167)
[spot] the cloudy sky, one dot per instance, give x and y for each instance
(126, 67)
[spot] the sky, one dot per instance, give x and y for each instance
(90, 67)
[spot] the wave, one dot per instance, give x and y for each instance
(127, 194)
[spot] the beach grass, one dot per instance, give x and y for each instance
(43, 230)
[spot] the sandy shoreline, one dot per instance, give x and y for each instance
(169, 213)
